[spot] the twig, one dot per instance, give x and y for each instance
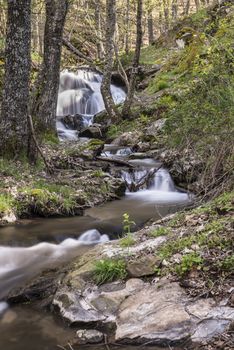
(49, 169)
(106, 343)
(61, 347)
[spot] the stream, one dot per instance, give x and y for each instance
(36, 244)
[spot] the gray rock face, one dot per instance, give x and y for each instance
(94, 305)
(164, 314)
(154, 314)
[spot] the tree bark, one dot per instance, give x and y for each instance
(174, 10)
(100, 47)
(150, 24)
(45, 99)
(15, 102)
(127, 27)
(109, 59)
(135, 65)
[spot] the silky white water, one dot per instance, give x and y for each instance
(17, 264)
(80, 93)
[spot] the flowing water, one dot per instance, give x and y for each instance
(33, 245)
(79, 93)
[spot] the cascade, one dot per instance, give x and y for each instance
(162, 181)
(80, 93)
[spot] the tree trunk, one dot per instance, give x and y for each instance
(135, 66)
(197, 4)
(174, 10)
(150, 23)
(45, 100)
(187, 7)
(109, 59)
(127, 27)
(166, 14)
(15, 102)
(100, 47)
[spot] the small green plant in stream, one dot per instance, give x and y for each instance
(108, 270)
(188, 262)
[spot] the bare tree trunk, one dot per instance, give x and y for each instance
(174, 10)
(45, 102)
(109, 59)
(127, 27)
(150, 23)
(100, 47)
(166, 14)
(13, 122)
(135, 66)
(187, 7)
(197, 4)
(2, 18)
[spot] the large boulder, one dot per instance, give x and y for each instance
(92, 132)
(74, 122)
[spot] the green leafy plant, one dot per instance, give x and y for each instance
(127, 223)
(188, 262)
(108, 270)
(6, 202)
(160, 231)
(127, 241)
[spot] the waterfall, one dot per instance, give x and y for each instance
(163, 182)
(80, 93)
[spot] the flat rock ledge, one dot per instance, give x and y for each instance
(139, 312)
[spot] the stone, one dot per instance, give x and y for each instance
(93, 132)
(143, 266)
(154, 314)
(102, 118)
(88, 336)
(75, 122)
(8, 218)
(127, 139)
(155, 128)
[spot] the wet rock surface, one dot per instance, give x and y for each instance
(139, 310)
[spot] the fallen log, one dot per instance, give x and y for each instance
(116, 161)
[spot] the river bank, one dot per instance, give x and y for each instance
(186, 259)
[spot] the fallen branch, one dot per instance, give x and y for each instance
(115, 160)
(30, 122)
(78, 53)
(134, 187)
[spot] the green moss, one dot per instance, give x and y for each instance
(47, 200)
(93, 144)
(98, 173)
(6, 203)
(109, 270)
(50, 138)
